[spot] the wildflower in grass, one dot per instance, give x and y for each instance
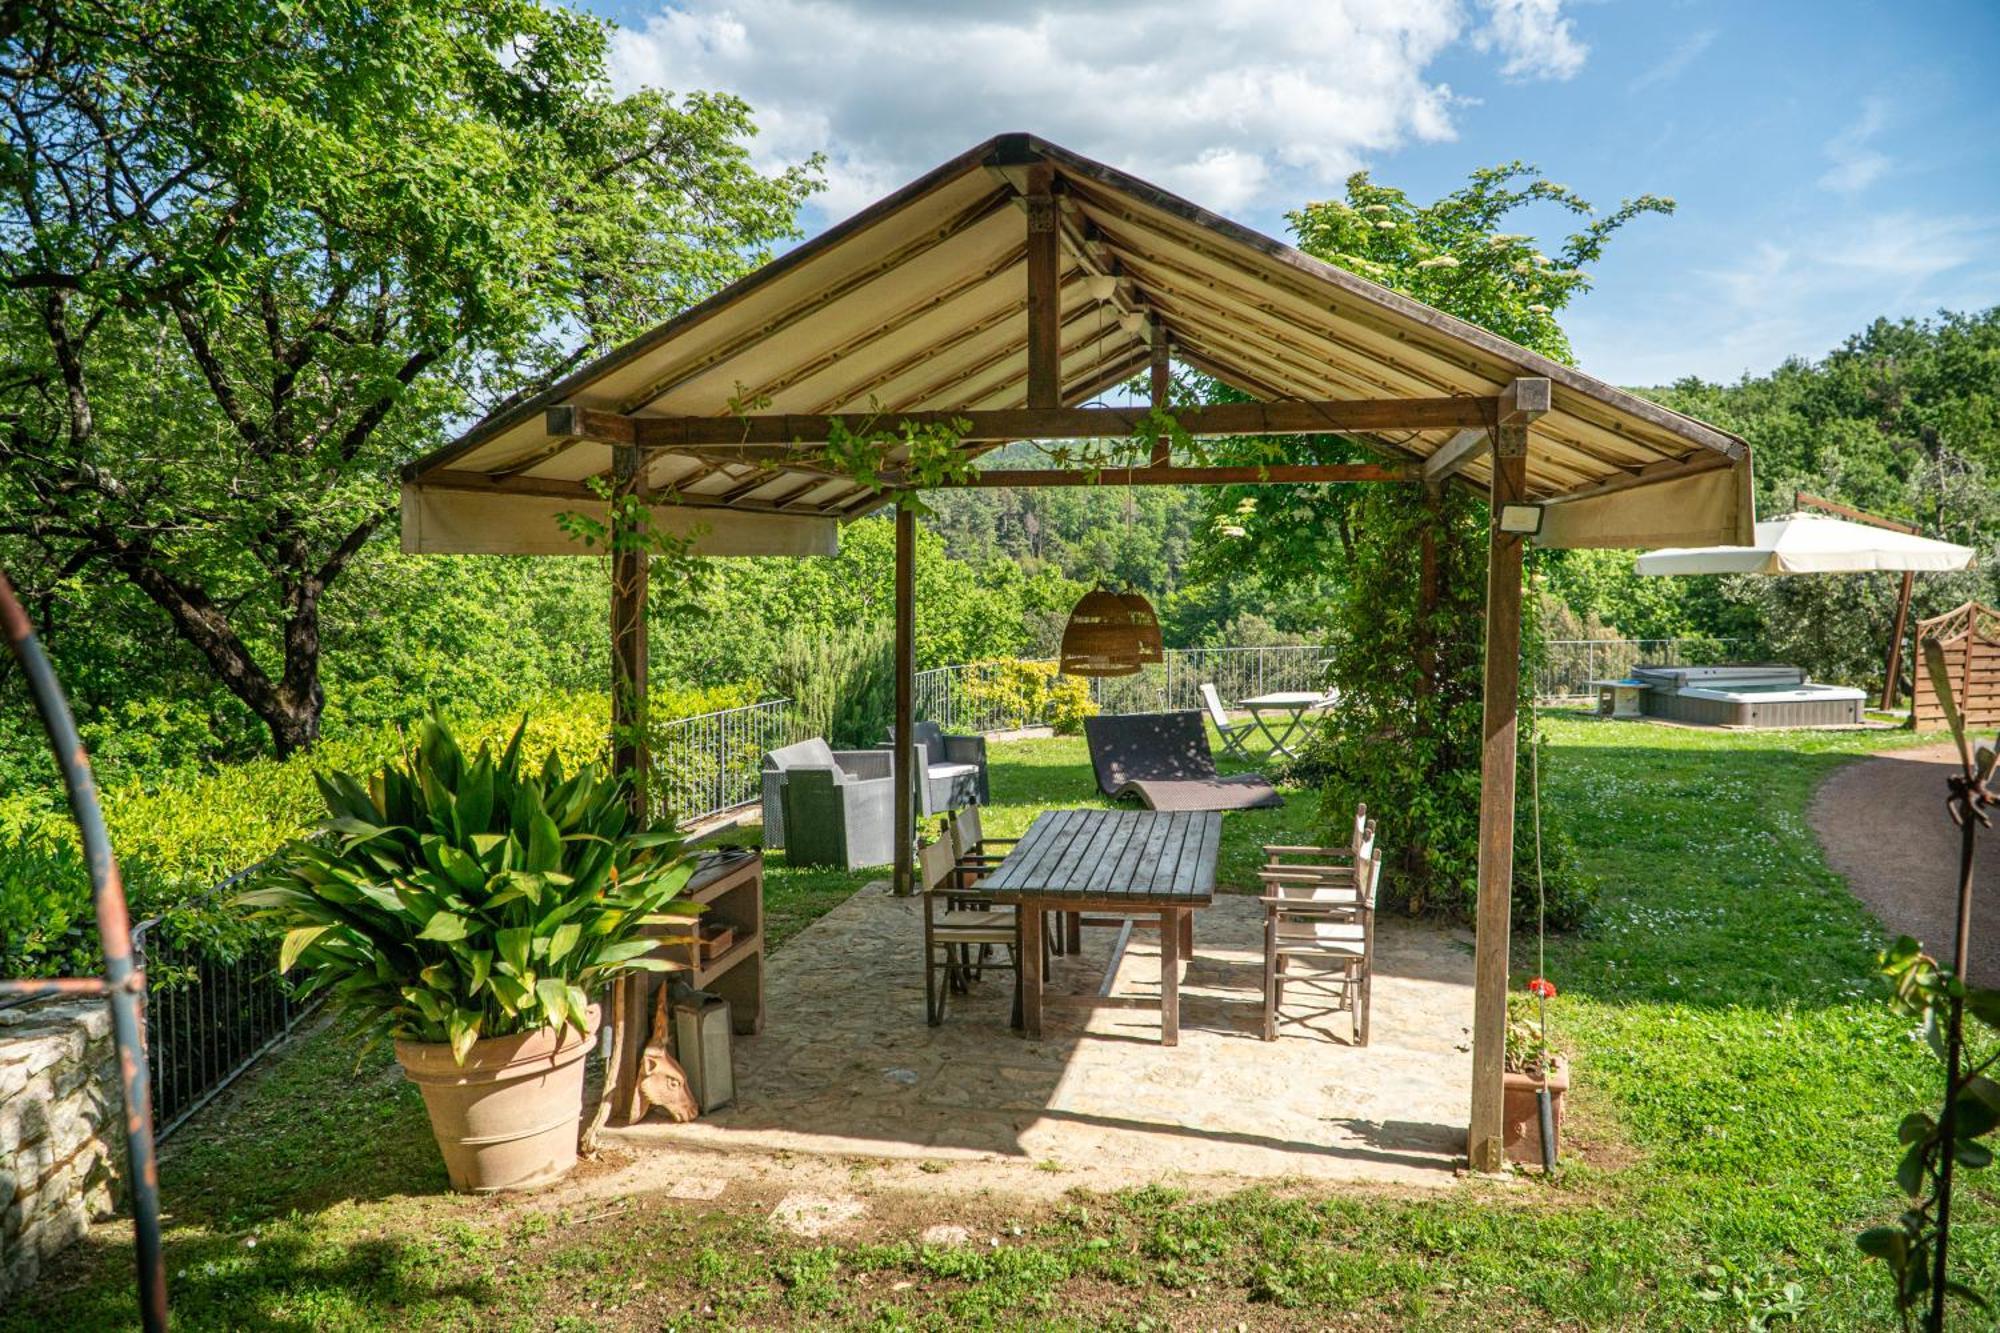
(1543, 987)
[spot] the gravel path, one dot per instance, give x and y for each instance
(1883, 825)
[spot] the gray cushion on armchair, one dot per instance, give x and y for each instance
(954, 768)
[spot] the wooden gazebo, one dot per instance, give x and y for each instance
(1009, 286)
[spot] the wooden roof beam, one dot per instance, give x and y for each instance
(1276, 474)
(775, 436)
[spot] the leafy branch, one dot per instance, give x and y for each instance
(1925, 989)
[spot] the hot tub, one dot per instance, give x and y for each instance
(1760, 695)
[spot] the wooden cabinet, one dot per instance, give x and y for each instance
(729, 884)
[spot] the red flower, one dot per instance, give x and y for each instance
(1543, 987)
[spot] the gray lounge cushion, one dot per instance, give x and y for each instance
(1164, 760)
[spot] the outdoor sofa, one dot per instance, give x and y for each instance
(954, 769)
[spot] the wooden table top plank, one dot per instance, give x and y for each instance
(1113, 856)
(1206, 859)
(1165, 850)
(1125, 871)
(1100, 876)
(1187, 858)
(1201, 859)
(1040, 848)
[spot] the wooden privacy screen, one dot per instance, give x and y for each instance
(1971, 638)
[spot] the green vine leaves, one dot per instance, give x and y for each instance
(1922, 988)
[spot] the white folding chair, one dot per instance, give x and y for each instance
(1232, 733)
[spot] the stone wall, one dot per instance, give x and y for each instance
(62, 1134)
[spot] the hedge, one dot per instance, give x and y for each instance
(176, 839)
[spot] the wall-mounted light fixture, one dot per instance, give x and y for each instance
(1523, 520)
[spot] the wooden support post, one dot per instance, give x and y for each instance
(906, 691)
(629, 568)
(1162, 385)
(1496, 800)
(1044, 296)
(1890, 683)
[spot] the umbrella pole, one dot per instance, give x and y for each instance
(1890, 682)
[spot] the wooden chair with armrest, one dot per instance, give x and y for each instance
(1319, 933)
(958, 930)
(978, 855)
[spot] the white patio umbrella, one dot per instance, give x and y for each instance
(1812, 544)
(1820, 544)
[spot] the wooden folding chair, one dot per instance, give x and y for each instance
(977, 855)
(960, 933)
(1305, 865)
(1319, 933)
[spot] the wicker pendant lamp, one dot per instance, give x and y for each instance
(1145, 629)
(1100, 638)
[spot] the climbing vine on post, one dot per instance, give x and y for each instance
(647, 564)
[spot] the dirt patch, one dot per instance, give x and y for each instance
(1883, 825)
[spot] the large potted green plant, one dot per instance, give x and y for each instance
(468, 911)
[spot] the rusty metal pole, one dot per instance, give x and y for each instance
(123, 981)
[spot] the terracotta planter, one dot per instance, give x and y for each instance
(507, 1118)
(1523, 1121)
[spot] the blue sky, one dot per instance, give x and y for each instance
(1831, 161)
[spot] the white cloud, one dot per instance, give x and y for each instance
(1676, 62)
(1857, 163)
(1241, 104)
(1534, 36)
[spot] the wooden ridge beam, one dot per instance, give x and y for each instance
(775, 436)
(1244, 475)
(1044, 265)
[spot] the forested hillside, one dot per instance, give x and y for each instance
(1903, 420)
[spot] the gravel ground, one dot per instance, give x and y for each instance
(1883, 824)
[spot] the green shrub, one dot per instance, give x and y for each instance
(842, 684)
(1029, 693)
(178, 837)
(446, 899)
(1405, 734)
(46, 926)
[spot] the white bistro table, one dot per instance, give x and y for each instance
(1293, 706)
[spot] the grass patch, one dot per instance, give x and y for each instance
(1735, 1069)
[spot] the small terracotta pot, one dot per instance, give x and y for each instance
(507, 1118)
(1522, 1119)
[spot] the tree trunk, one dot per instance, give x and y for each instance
(289, 708)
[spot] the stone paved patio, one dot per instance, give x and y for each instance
(847, 1068)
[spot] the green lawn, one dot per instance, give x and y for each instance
(1738, 1088)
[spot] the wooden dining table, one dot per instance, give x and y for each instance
(1106, 867)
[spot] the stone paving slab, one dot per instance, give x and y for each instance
(847, 1068)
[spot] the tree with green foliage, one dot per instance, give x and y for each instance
(253, 257)
(1407, 635)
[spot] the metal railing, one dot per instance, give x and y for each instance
(210, 1013)
(994, 696)
(712, 762)
(1567, 664)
